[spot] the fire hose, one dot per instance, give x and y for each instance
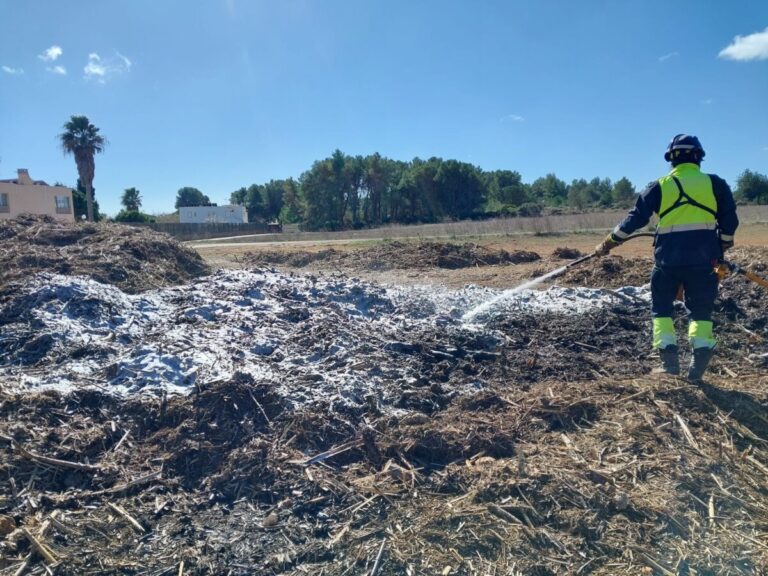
(564, 269)
(723, 269)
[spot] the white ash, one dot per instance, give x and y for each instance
(313, 337)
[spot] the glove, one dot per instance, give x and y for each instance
(725, 245)
(606, 246)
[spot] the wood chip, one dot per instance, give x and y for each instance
(131, 520)
(41, 548)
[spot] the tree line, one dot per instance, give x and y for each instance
(344, 191)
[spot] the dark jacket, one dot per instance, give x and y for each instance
(693, 248)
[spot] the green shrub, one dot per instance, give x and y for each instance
(134, 216)
(530, 209)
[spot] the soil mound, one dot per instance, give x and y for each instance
(391, 255)
(614, 271)
(134, 258)
(567, 253)
(610, 272)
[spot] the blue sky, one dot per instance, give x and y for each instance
(222, 94)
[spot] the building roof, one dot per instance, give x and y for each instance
(34, 182)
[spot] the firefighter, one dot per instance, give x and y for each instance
(697, 223)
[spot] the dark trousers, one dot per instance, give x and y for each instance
(699, 284)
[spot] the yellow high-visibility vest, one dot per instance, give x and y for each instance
(687, 201)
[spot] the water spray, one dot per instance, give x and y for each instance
(485, 306)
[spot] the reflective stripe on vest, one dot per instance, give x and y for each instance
(691, 206)
(686, 227)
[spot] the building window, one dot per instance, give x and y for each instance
(62, 205)
(4, 207)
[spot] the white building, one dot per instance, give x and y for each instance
(213, 215)
(22, 195)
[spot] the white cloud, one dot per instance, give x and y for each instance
(513, 118)
(666, 57)
(12, 71)
(707, 101)
(94, 68)
(101, 69)
(58, 70)
(126, 63)
(51, 54)
(751, 47)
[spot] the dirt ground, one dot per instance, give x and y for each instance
(495, 276)
(536, 443)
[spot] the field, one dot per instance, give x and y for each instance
(359, 406)
(233, 254)
(540, 225)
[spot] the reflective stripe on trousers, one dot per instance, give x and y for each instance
(664, 333)
(699, 333)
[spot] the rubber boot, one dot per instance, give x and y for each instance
(670, 363)
(699, 361)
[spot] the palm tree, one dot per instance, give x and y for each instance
(131, 199)
(82, 139)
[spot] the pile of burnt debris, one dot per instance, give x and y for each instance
(256, 422)
(396, 254)
(133, 258)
